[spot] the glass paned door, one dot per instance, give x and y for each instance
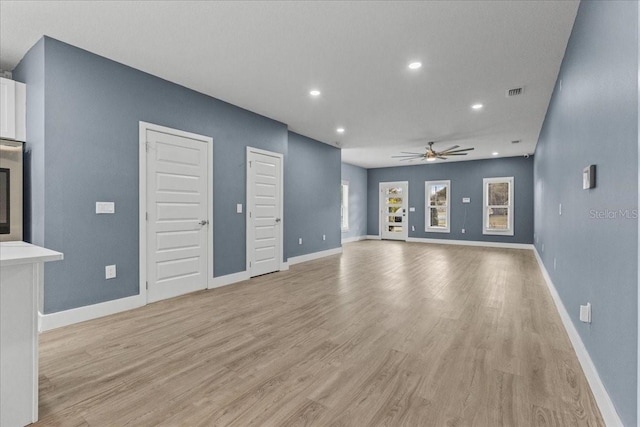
(393, 210)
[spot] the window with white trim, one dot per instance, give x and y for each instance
(437, 209)
(497, 217)
(344, 206)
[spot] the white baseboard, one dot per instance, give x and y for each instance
(372, 237)
(471, 243)
(284, 266)
(607, 409)
(353, 239)
(313, 256)
(228, 279)
(50, 321)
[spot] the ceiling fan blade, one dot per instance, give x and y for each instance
(454, 154)
(409, 152)
(442, 158)
(461, 150)
(412, 155)
(410, 158)
(453, 147)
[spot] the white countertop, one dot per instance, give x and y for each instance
(14, 253)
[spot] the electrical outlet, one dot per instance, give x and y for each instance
(239, 208)
(413, 228)
(324, 237)
(543, 247)
(300, 240)
(464, 231)
(110, 271)
(560, 209)
(555, 263)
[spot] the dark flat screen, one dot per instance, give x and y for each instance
(5, 212)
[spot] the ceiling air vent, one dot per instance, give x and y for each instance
(515, 91)
(516, 141)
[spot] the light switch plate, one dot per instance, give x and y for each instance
(466, 200)
(412, 209)
(239, 208)
(589, 177)
(585, 313)
(105, 207)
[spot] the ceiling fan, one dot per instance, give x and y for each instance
(430, 155)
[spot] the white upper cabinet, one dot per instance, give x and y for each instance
(13, 97)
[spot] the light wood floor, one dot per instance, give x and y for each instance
(388, 333)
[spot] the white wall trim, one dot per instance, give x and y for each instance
(89, 312)
(638, 262)
(607, 409)
(373, 237)
(228, 279)
(316, 255)
(471, 243)
(353, 239)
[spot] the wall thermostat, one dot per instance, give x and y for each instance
(589, 177)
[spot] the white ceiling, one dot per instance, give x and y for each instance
(266, 56)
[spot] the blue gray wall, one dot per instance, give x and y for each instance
(593, 119)
(311, 197)
(466, 181)
(33, 220)
(92, 107)
(357, 178)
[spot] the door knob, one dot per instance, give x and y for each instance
(278, 219)
(204, 222)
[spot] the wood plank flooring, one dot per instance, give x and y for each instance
(388, 333)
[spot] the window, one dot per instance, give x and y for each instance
(344, 206)
(437, 194)
(497, 216)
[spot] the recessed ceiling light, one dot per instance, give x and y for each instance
(495, 153)
(477, 106)
(314, 92)
(415, 65)
(340, 130)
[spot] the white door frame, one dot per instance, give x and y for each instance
(142, 206)
(249, 229)
(405, 198)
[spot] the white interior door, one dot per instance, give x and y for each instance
(177, 220)
(264, 216)
(394, 200)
